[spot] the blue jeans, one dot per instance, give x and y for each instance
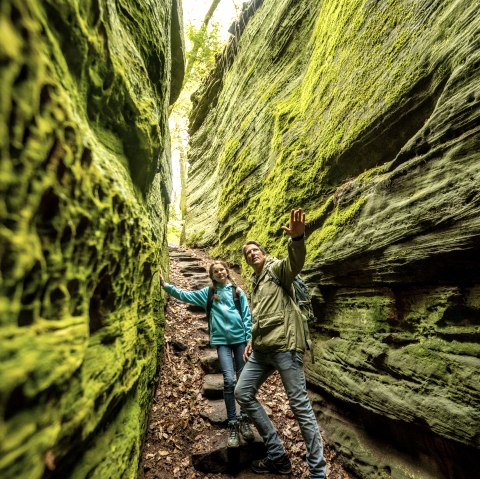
(290, 366)
(230, 356)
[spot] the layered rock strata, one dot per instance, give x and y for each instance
(367, 115)
(84, 188)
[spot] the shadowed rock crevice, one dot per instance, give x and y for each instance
(102, 303)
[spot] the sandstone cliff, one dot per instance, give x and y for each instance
(84, 187)
(366, 114)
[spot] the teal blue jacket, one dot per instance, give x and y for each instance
(227, 326)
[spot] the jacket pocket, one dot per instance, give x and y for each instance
(270, 333)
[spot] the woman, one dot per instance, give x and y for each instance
(230, 327)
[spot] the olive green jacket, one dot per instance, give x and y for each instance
(278, 324)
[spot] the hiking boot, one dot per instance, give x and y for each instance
(246, 430)
(278, 466)
(233, 437)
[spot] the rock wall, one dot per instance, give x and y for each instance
(366, 114)
(84, 190)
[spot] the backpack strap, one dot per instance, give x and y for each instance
(236, 299)
(274, 277)
(211, 293)
(277, 281)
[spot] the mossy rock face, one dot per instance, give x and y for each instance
(366, 115)
(84, 187)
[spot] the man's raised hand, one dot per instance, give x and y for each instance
(296, 228)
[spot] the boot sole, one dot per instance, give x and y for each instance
(280, 473)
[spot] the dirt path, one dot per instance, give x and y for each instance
(183, 430)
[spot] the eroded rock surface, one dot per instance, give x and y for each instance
(84, 187)
(366, 114)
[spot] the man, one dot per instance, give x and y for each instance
(278, 343)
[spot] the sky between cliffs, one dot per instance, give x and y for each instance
(194, 12)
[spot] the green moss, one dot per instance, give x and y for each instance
(247, 120)
(318, 215)
(128, 428)
(370, 174)
(237, 189)
(82, 233)
(335, 224)
(12, 43)
(319, 118)
(228, 154)
(195, 238)
(344, 34)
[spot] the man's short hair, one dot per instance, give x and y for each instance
(256, 243)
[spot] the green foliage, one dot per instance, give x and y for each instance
(205, 44)
(175, 225)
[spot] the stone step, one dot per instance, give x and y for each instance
(192, 269)
(204, 341)
(220, 459)
(203, 330)
(181, 256)
(209, 362)
(216, 412)
(213, 386)
(199, 281)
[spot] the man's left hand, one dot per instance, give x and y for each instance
(296, 228)
(248, 351)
